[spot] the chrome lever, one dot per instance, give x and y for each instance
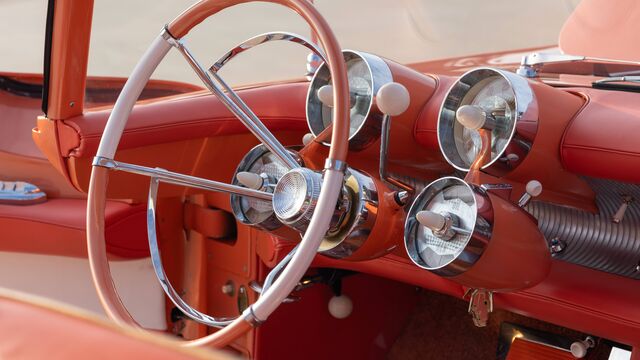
(392, 99)
(233, 102)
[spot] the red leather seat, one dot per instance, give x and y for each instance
(38, 329)
(57, 227)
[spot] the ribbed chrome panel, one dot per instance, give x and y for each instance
(594, 240)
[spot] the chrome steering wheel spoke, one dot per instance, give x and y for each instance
(171, 177)
(156, 260)
(234, 103)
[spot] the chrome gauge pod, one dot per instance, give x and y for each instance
(492, 99)
(270, 168)
(295, 195)
(448, 227)
(366, 74)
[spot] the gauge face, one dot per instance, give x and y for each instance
(504, 98)
(496, 98)
(366, 74)
(254, 211)
(360, 94)
(450, 198)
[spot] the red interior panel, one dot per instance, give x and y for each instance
(602, 139)
(193, 117)
(57, 227)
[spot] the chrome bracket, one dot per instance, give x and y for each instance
(480, 305)
(531, 64)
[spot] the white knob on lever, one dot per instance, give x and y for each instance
(431, 220)
(340, 307)
(250, 180)
(307, 139)
(533, 189)
(325, 95)
(393, 99)
(579, 349)
(470, 116)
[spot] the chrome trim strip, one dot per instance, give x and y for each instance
(20, 193)
(180, 179)
(261, 39)
(235, 105)
(331, 164)
(159, 269)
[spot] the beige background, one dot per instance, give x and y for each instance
(402, 30)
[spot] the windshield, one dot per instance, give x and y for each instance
(402, 30)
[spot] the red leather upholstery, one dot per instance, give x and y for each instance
(39, 329)
(602, 139)
(280, 106)
(57, 227)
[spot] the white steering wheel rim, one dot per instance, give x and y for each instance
(289, 277)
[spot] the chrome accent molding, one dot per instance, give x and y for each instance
(156, 260)
(20, 193)
(180, 179)
(337, 165)
(265, 38)
(532, 65)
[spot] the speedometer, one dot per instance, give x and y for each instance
(505, 102)
(366, 74)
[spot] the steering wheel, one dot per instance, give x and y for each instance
(104, 162)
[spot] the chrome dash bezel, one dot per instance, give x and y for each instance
(369, 131)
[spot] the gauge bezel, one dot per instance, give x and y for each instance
(369, 131)
(476, 242)
(271, 223)
(526, 109)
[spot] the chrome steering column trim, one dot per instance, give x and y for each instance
(180, 179)
(337, 165)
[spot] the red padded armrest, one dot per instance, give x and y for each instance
(57, 227)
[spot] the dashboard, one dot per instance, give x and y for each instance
(533, 224)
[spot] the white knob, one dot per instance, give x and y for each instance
(579, 349)
(250, 180)
(431, 220)
(513, 157)
(393, 99)
(325, 95)
(340, 307)
(307, 138)
(534, 188)
(470, 116)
